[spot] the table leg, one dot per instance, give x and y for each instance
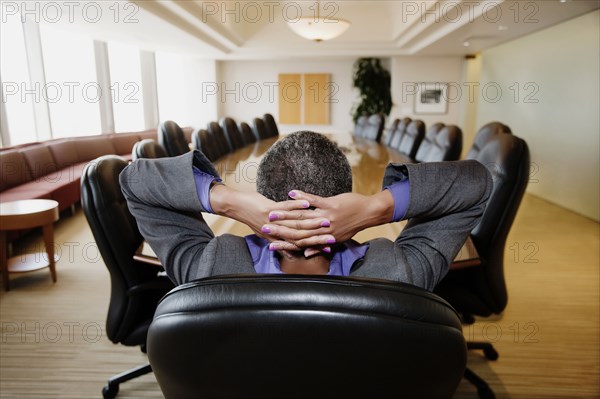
(49, 242)
(4, 260)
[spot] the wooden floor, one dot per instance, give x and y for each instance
(53, 343)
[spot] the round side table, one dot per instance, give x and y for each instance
(26, 214)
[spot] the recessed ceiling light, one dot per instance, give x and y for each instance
(562, 1)
(466, 43)
(502, 27)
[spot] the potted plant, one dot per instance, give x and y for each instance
(374, 83)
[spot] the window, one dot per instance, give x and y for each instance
(18, 95)
(126, 87)
(71, 89)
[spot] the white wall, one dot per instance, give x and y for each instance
(247, 89)
(408, 71)
(562, 128)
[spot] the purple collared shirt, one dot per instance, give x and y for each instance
(346, 253)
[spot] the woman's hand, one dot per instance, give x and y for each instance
(346, 213)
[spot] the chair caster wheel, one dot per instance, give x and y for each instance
(485, 393)
(490, 353)
(110, 391)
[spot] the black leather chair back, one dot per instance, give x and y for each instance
(397, 135)
(232, 133)
(267, 336)
(172, 139)
(135, 287)
(412, 138)
(360, 126)
(271, 125)
(219, 138)
(147, 148)
(260, 129)
(428, 141)
(374, 127)
(205, 143)
(247, 134)
(485, 134)
(447, 145)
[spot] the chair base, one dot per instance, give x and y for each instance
(110, 390)
(483, 389)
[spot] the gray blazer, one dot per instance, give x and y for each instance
(447, 200)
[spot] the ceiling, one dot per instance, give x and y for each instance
(245, 29)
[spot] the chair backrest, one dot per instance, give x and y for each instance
(447, 145)
(398, 133)
(267, 336)
(219, 138)
(205, 143)
(374, 127)
(271, 125)
(507, 158)
(361, 124)
(485, 134)
(247, 133)
(147, 148)
(232, 133)
(412, 138)
(428, 141)
(260, 129)
(117, 236)
(172, 139)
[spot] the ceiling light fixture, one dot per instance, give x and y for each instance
(502, 27)
(319, 28)
(466, 43)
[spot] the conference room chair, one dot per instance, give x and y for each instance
(232, 133)
(398, 133)
(360, 125)
(271, 125)
(485, 134)
(481, 289)
(387, 132)
(136, 287)
(374, 127)
(219, 138)
(447, 145)
(147, 148)
(247, 134)
(412, 138)
(305, 336)
(428, 141)
(205, 143)
(260, 129)
(172, 139)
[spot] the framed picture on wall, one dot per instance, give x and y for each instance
(431, 98)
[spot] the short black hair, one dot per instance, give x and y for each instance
(305, 161)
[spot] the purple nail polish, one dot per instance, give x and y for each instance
(272, 247)
(273, 216)
(331, 241)
(265, 229)
(305, 204)
(325, 223)
(292, 194)
(327, 249)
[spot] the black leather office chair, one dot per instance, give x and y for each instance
(446, 146)
(291, 336)
(219, 138)
(428, 141)
(412, 138)
(147, 148)
(205, 143)
(360, 125)
(135, 287)
(260, 129)
(485, 134)
(271, 125)
(247, 134)
(172, 139)
(398, 133)
(232, 133)
(481, 289)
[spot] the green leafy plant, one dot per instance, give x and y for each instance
(374, 83)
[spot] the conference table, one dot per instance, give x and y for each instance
(368, 160)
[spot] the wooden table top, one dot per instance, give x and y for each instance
(25, 214)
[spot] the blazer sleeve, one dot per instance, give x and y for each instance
(161, 194)
(447, 200)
